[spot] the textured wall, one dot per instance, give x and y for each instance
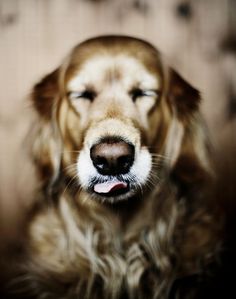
(198, 38)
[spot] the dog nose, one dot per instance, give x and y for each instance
(112, 156)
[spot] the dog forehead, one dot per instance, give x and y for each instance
(113, 68)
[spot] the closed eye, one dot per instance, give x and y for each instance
(86, 94)
(139, 93)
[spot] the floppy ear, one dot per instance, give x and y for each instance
(46, 148)
(183, 96)
(187, 142)
(44, 95)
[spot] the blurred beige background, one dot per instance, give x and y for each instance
(198, 37)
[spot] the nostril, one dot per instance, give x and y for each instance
(112, 158)
(125, 162)
(100, 163)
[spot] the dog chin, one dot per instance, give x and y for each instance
(114, 198)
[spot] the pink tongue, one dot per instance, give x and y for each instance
(107, 187)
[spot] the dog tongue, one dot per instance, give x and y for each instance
(107, 187)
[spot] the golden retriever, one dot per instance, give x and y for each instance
(123, 160)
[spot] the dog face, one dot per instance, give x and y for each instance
(108, 112)
(113, 94)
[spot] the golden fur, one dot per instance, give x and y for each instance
(137, 244)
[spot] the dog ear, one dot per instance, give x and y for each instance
(45, 93)
(46, 148)
(182, 96)
(187, 141)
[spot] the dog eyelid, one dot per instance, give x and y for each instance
(86, 94)
(139, 93)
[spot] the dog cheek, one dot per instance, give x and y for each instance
(85, 169)
(142, 166)
(144, 106)
(82, 110)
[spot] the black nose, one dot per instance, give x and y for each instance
(112, 156)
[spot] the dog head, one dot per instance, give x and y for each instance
(109, 113)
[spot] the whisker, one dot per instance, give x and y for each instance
(164, 157)
(70, 167)
(69, 183)
(158, 155)
(149, 185)
(140, 187)
(78, 191)
(153, 179)
(158, 165)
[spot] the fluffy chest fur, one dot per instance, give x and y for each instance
(90, 253)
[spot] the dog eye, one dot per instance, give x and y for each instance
(139, 93)
(87, 95)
